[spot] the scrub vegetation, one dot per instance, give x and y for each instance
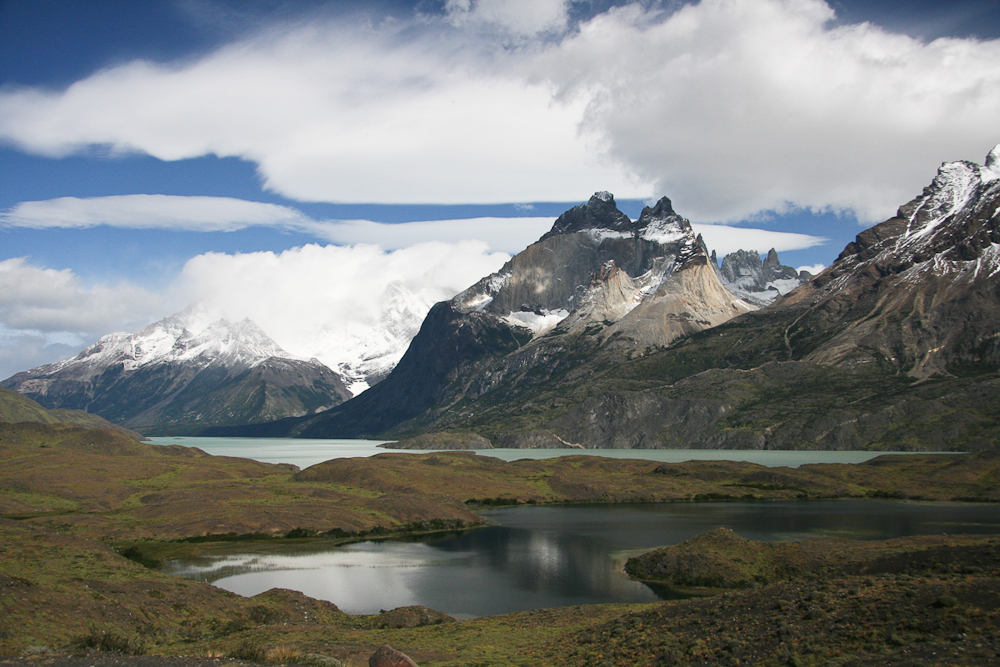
(89, 513)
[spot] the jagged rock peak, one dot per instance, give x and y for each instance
(760, 282)
(600, 212)
(662, 209)
(661, 223)
(953, 188)
(990, 170)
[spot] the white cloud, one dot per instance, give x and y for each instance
(724, 239)
(738, 106)
(815, 269)
(305, 296)
(36, 299)
(209, 214)
(727, 106)
(519, 17)
(223, 214)
(336, 112)
(510, 235)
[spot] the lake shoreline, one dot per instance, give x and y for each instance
(84, 489)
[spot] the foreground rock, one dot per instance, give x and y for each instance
(387, 656)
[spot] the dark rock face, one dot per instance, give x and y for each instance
(598, 213)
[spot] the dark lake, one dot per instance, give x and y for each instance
(537, 557)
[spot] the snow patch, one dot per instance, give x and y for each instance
(598, 235)
(991, 170)
(538, 322)
(954, 186)
(665, 231)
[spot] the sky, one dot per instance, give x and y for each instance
(290, 159)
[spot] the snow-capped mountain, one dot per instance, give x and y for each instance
(184, 374)
(758, 282)
(917, 292)
(596, 284)
(895, 346)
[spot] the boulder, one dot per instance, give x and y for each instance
(387, 656)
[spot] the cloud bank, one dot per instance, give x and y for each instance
(303, 298)
(226, 214)
(728, 106)
(309, 299)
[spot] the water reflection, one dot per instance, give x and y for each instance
(554, 556)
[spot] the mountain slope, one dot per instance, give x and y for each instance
(895, 346)
(184, 374)
(596, 284)
(16, 408)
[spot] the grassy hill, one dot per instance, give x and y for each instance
(17, 408)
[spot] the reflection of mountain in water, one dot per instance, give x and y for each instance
(541, 557)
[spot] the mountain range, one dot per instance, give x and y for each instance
(610, 332)
(182, 374)
(614, 333)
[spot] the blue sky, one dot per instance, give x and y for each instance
(152, 151)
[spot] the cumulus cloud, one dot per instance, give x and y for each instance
(40, 299)
(724, 239)
(335, 112)
(727, 106)
(304, 297)
(737, 106)
(814, 269)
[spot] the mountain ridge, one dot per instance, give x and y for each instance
(548, 305)
(183, 374)
(894, 346)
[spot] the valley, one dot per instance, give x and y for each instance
(82, 508)
(606, 333)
